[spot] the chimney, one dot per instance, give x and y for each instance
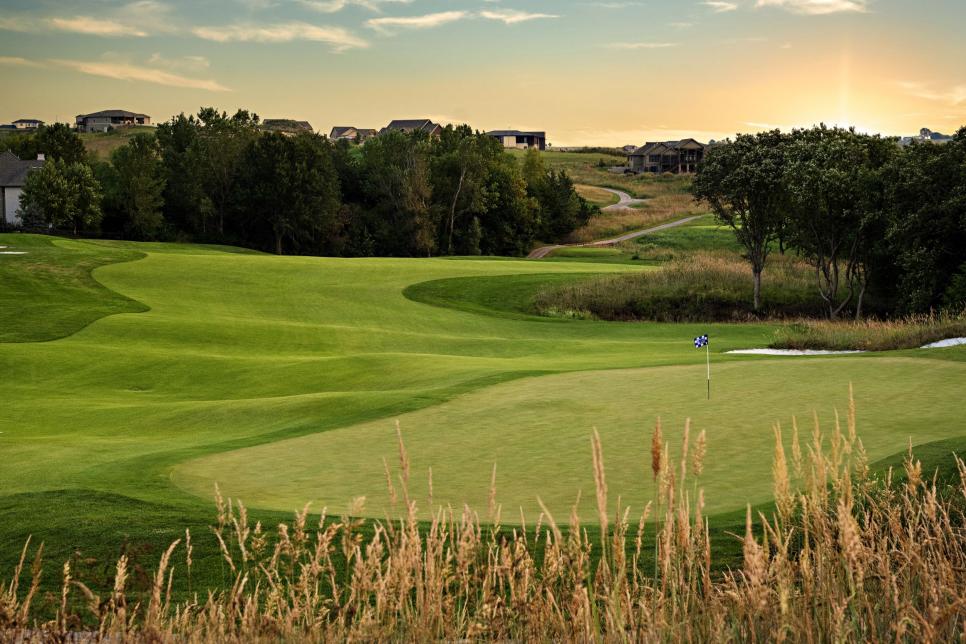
(40, 156)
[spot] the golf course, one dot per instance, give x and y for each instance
(139, 376)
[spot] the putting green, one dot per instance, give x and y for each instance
(280, 377)
(537, 432)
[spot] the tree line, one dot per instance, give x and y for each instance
(881, 225)
(219, 178)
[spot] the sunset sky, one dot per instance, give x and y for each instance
(608, 72)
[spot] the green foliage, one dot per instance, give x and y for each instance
(55, 141)
(288, 185)
(135, 187)
(63, 195)
(743, 184)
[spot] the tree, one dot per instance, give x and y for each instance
(398, 194)
(137, 186)
(217, 154)
(926, 233)
(288, 186)
(743, 183)
(461, 162)
(55, 141)
(186, 204)
(830, 175)
(65, 195)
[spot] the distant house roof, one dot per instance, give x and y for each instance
(669, 146)
(541, 135)
(112, 114)
(37, 121)
(13, 170)
(413, 125)
(340, 130)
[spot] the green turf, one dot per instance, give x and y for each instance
(231, 367)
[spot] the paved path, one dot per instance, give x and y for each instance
(626, 201)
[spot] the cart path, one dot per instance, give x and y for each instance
(543, 251)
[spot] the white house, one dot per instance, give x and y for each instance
(13, 175)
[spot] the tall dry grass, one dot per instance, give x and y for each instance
(695, 286)
(845, 557)
(871, 335)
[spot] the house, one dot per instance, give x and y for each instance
(627, 149)
(108, 120)
(13, 175)
(27, 124)
(286, 126)
(414, 125)
(352, 134)
(677, 157)
(515, 139)
(925, 136)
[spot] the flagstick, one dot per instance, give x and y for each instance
(707, 348)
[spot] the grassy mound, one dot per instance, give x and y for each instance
(49, 292)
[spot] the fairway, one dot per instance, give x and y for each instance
(280, 379)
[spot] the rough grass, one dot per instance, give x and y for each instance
(845, 554)
(101, 144)
(692, 287)
(870, 335)
(597, 196)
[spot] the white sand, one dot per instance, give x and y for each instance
(942, 344)
(790, 352)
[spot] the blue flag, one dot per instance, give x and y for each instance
(701, 341)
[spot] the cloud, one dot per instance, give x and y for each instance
(96, 27)
(640, 45)
(334, 6)
(119, 71)
(818, 7)
(417, 22)
(338, 38)
(720, 6)
(512, 16)
(182, 63)
(16, 61)
(129, 72)
(954, 95)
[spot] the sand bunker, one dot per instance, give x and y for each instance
(790, 352)
(942, 344)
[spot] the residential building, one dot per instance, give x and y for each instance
(108, 120)
(13, 175)
(27, 124)
(413, 125)
(515, 139)
(678, 157)
(925, 136)
(352, 134)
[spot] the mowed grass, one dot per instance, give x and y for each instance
(219, 363)
(537, 433)
(597, 196)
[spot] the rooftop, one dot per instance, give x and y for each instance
(13, 169)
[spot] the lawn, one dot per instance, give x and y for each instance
(130, 391)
